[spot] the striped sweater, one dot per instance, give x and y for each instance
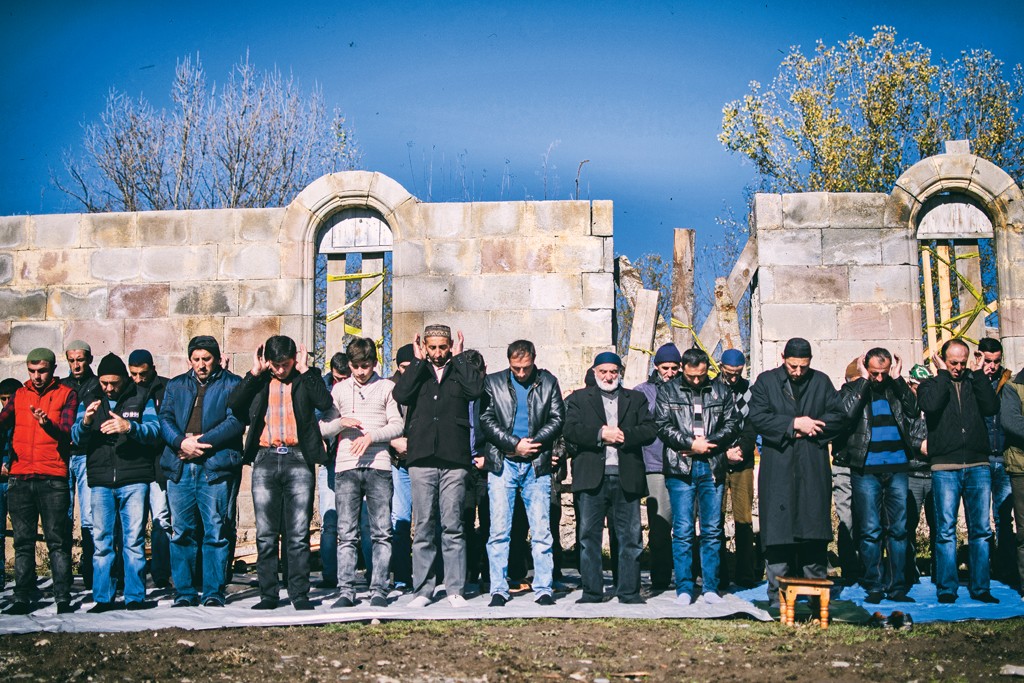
(378, 415)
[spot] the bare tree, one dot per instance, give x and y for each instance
(255, 143)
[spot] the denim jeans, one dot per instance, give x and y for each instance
(847, 541)
(401, 526)
(623, 513)
(690, 494)
(1004, 555)
(659, 535)
(919, 500)
(438, 494)
(501, 493)
(28, 502)
(282, 497)
(127, 503)
(190, 500)
(328, 522)
(350, 488)
(160, 534)
(79, 487)
(881, 513)
(974, 486)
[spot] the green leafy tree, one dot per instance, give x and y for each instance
(852, 117)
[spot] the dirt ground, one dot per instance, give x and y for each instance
(580, 650)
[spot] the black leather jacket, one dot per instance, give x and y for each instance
(546, 415)
(855, 397)
(673, 413)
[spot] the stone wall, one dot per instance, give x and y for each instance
(843, 269)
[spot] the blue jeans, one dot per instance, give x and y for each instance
(193, 499)
(401, 526)
(1004, 554)
(698, 491)
(974, 486)
(328, 522)
(282, 498)
(79, 486)
(536, 492)
(880, 506)
(351, 486)
(160, 534)
(127, 503)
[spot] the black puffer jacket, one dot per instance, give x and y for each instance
(957, 434)
(545, 409)
(856, 399)
(673, 415)
(114, 460)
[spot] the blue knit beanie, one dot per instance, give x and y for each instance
(667, 353)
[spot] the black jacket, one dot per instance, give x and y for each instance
(545, 409)
(114, 460)
(856, 400)
(673, 414)
(88, 390)
(957, 434)
(248, 401)
(584, 417)
(437, 424)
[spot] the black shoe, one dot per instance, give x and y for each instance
(303, 604)
(101, 607)
(186, 602)
(66, 608)
(878, 620)
(213, 602)
(545, 600)
(498, 600)
(632, 600)
(20, 608)
(378, 601)
(899, 597)
(874, 597)
(899, 621)
(265, 603)
(161, 583)
(344, 601)
(325, 583)
(589, 598)
(947, 598)
(985, 597)
(139, 605)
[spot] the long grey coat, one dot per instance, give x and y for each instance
(795, 480)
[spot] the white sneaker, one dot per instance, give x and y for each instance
(419, 602)
(457, 601)
(684, 600)
(712, 598)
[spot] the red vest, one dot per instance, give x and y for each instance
(35, 451)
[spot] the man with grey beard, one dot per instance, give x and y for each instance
(606, 428)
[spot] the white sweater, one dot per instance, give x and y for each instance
(375, 408)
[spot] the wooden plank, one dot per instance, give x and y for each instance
(929, 299)
(739, 279)
(992, 306)
(970, 268)
(945, 294)
(641, 338)
(335, 300)
(373, 305)
(728, 319)
(682, 284)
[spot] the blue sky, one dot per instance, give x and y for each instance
(636, 88)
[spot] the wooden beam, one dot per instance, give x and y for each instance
(373, 305)
(728, 319)
(335, 300)
(641, 338)
(929, 300)
(682, 284)
(945, 294)
(970, 268)
(739, 279)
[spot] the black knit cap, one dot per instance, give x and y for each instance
(206, 343)
(405, 354)
(797, 347)
(112, 365)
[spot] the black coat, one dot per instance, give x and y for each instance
(584, 417)
(957, 433)
(545, 410)
(248, 401)
(795, 479)
(437, 423)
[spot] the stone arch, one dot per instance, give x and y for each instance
(325, 197)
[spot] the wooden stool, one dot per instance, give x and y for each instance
(791, 587)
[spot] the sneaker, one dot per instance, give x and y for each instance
(457, 601)
(344, 601)
(101, 607)
(65, 608)
(498, 600)
(713, 598)
(213, 602)
(303, 604)
(986, 597)
(419, 602)
(186, 602)
(139, 605)
(378, 601)
(899, 597)
(265, 604)
(684, 599)
(947, 598)
(874, 597)
(545, 600)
